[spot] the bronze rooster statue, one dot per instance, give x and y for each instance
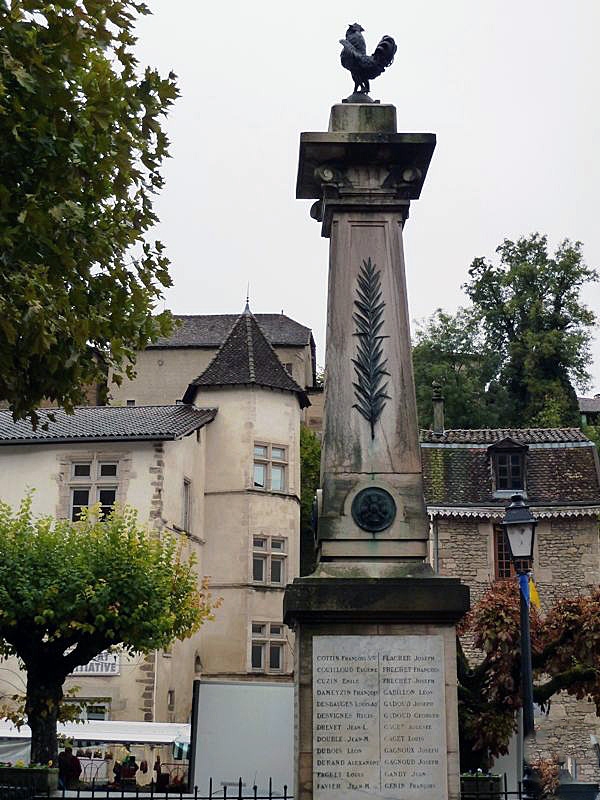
(363, 67)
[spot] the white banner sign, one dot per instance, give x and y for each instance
(103, 664)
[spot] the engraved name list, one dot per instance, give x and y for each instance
(378, 717)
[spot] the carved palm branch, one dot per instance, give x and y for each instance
(369, 364)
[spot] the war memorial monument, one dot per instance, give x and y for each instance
(376, 689)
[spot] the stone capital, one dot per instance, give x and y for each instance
(362, 171)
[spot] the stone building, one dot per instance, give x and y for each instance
(219, 468)
(144, 457)
(589, 409)
(469, 477)
(166, 367)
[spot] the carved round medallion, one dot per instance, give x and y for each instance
(373, 509)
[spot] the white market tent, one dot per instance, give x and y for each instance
(14, 743)
(110, 731)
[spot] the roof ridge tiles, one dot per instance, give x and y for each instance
(490, 435)
(251, 369)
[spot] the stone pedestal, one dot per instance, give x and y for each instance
(376, 703)
(375, 629)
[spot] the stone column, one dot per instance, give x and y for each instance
(375, 629)
(364, 175)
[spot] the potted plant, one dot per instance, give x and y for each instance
(475, 785)
(42, 778)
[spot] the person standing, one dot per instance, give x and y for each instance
(69, 769)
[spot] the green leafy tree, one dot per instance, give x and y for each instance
(529, 303)
(451, 350)
(310, 467)
(565, 656)
(82, 148)
(593, 433)
(69, 591)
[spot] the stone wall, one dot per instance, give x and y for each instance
(236, 512)
(566, 731)
(568, 558)
(464, 551)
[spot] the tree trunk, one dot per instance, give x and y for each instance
(44, 694)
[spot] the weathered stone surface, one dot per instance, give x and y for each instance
(379, 717)
(372, 550)
(371, 582)
(364, 175)
(363, 118)
(352, 455)
(401, 155)
(310, 630)
(430, 599)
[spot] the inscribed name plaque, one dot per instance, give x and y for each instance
(379, 723)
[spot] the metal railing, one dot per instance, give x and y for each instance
(15, 792)
(486, 787)
(225, 791)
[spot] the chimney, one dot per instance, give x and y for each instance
(438, 408)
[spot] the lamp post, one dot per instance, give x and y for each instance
(519, 526)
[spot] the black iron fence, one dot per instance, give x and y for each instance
(491, 787)
(15, 792)
(222, 791)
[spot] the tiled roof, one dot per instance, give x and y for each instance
(589, 404)
(211, 330)
(245, 358)
(106, 423)
(491, 435)
(560, 467)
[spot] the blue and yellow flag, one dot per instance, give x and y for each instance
(533, 594)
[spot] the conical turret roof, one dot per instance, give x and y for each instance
(246, 358)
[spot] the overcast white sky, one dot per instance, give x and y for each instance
(511, 88)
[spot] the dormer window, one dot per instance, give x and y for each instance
(510, 471)
(507, 462)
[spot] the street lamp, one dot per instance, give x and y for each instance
(519, 526)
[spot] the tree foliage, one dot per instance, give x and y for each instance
(514, 356)
(530, 305)
(310, 467)
(69, 591)
(82, 148)
(451, 350)
(565, 656)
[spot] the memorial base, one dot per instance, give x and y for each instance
(376, 702)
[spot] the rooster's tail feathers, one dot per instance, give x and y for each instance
(385, 52)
